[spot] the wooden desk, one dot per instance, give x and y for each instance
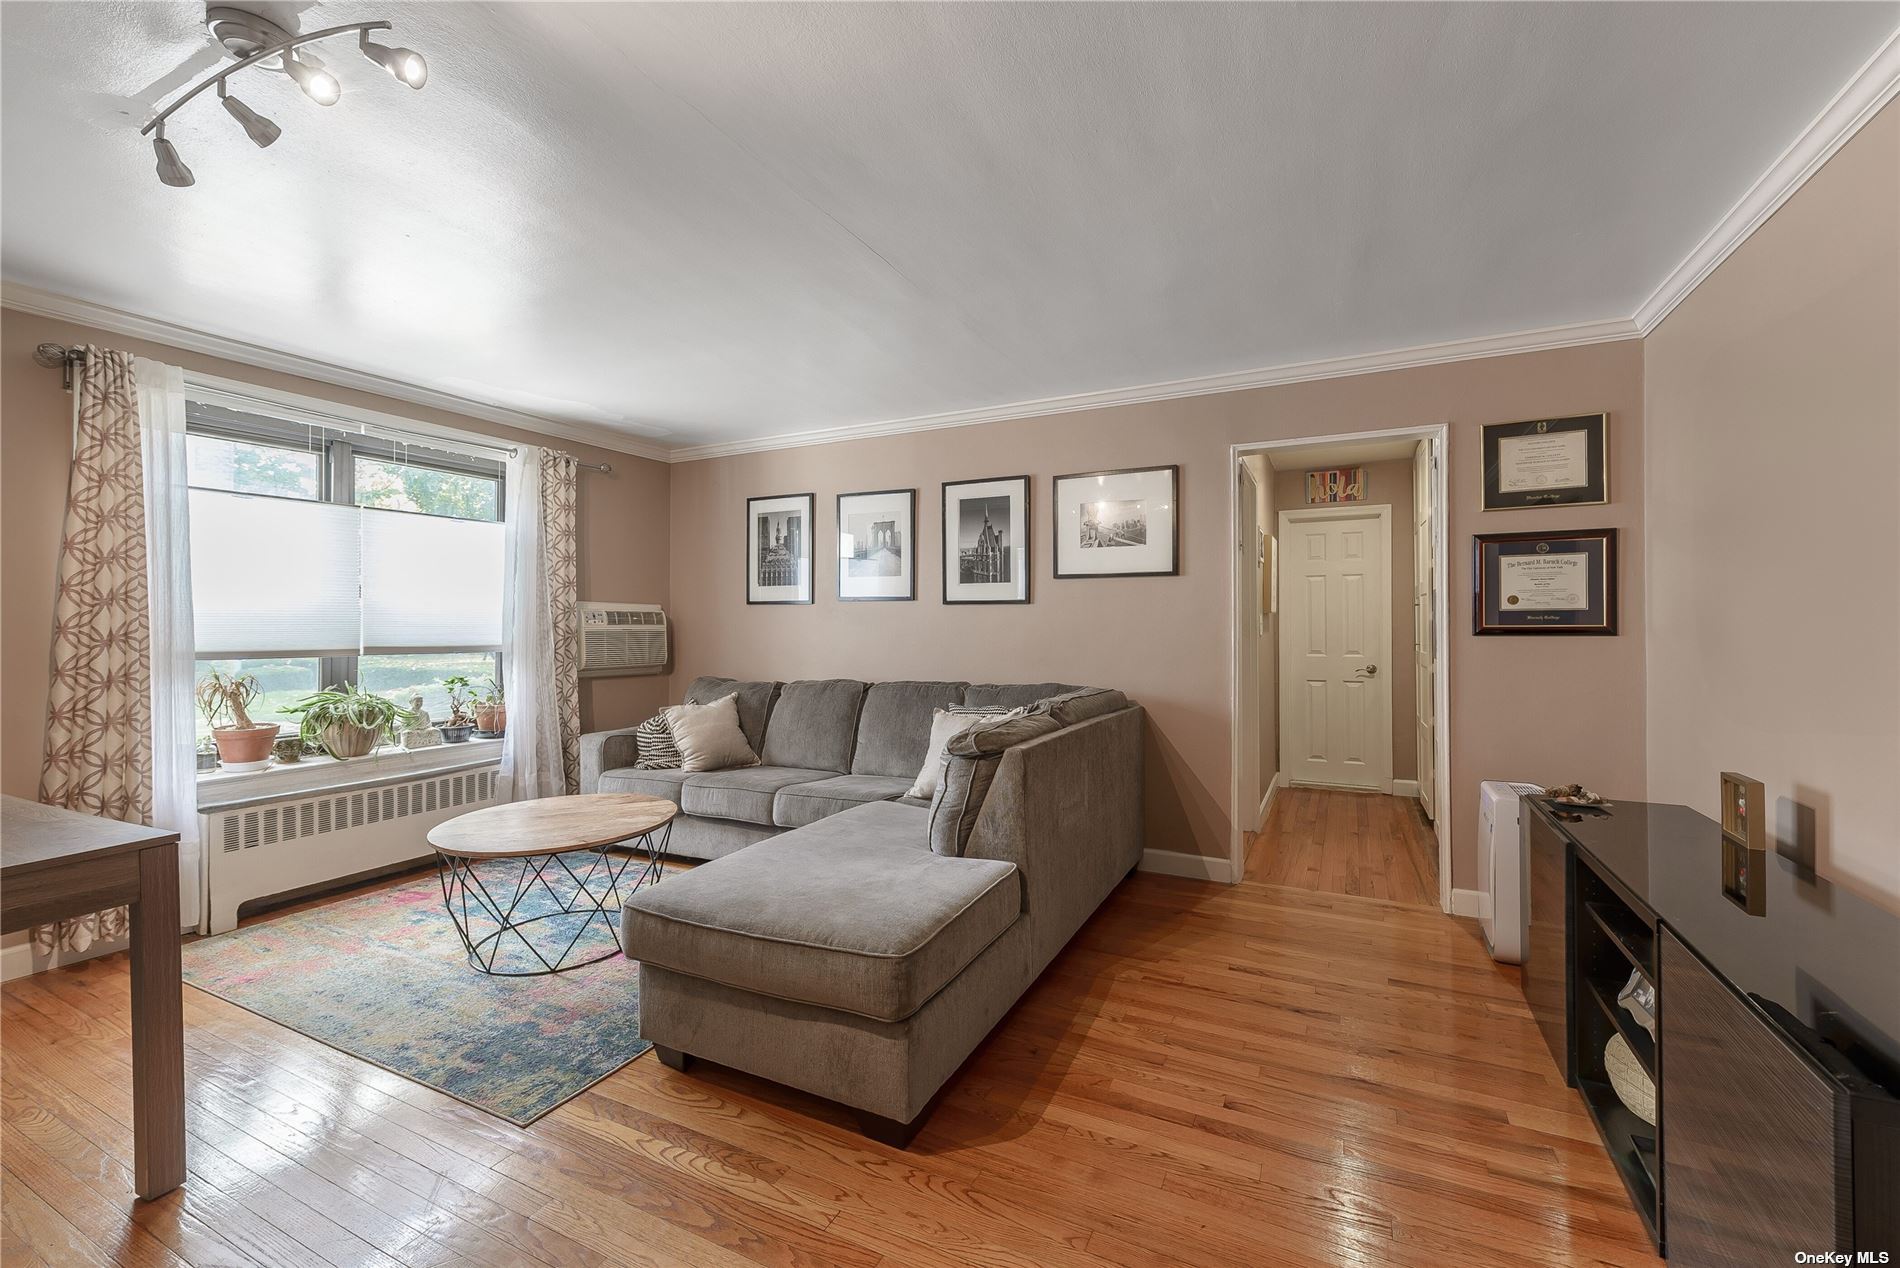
(57, 864)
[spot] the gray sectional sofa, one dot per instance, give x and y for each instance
(826, 946)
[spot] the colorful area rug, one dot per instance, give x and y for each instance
(384, 977)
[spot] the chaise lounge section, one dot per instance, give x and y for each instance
(831, 948)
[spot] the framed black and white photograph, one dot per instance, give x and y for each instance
(1118, 523)
(1547, 462)
(877, 545)
(778, 549)
(1544, 583)
(986, 540)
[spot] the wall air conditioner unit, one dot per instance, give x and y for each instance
(623, 638)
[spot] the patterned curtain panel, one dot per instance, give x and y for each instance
(98, 714)
(559, 477)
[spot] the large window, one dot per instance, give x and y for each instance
(322, 555)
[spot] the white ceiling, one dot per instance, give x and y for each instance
(713, 223)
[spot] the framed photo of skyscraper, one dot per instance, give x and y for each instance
(1118, 523)
(986, 540)
(877, 545)
(778, 549)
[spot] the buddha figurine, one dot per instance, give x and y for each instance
(419, 733)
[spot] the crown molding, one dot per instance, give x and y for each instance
(1871, 88)
(1550, 337)
(28, 299)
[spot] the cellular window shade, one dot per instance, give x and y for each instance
(274, 576)
(430, 583)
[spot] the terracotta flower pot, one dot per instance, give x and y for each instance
(491, 718)
(238, 744)
(344, 741)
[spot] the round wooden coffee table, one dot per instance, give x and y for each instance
(546, 867)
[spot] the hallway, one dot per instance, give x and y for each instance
(1336, 842)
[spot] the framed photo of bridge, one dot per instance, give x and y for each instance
(877, 545)
(778, 549)
(1118, 523)
(986, 540)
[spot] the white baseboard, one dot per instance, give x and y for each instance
(1199, 867)
(1467, 902)
(1405, 788)
(1266, 802)
(19, 960)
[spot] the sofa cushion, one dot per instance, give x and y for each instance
(849, 913)
(654, 783)
(961, 787)
(944, 723)
(1012, 695)
(894, 725)
(814, 724)
(755, 702)
(1081, 704)
(800, 804)
(745, 794)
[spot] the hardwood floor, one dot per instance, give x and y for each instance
(1208, 1075)
(1365, 844)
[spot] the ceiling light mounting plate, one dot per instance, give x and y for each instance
(241, 32)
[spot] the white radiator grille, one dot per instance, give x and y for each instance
(339, 812)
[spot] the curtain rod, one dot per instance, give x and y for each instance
(51, 355)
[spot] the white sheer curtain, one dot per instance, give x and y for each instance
(531, 759)
(161, 404)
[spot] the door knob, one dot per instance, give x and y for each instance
(1370, 671)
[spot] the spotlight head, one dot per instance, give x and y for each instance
(171, 169)
(405, 64)
(318, 84)
(255, 125)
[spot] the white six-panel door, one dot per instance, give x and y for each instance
(1335, 642)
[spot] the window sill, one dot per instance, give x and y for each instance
(220, 789)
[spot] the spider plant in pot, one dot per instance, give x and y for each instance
(461, 719)
(491, 711)
(241, 742)
(347, 721)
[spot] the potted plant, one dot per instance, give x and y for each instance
(347, 721)
(491, 711)
(289, 749)
(242, 743)
(461, 721)
(207, 754)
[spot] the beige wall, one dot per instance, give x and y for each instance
(1773, 395)
(623, 525)
(1521, 708)
(1387, 484)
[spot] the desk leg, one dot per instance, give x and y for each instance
(158, 1028)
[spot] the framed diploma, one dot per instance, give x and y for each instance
(1547, 462)
(1544, 583)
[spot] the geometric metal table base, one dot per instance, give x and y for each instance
(569, 901)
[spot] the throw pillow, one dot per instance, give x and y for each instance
(961, 788)
(944, 723)
(709, 736)
(654, 740)
(992, 735)
(1081, 705)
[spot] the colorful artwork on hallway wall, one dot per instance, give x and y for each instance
(1335, 484)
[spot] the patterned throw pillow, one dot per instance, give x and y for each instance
(656, 747)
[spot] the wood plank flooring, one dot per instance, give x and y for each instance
(1364, 844)
(1208, 1075)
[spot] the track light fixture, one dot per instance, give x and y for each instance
(405, 64)
(255, 125)
(171, 169)
(317, 83)
(257, 41)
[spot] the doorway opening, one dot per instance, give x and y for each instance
(1340, 685)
